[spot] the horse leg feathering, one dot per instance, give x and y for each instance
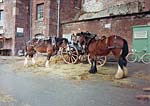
(33, 60)
(47, 61)
(119, 73)
(122, 62)
(125, 74)
(93, 69)
(25, 61)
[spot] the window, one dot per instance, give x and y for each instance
(40, 11)
(77, 4)
(1, 43)
(1, 18)
(1, 15)
(1, 1)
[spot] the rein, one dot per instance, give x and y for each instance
(37, 44)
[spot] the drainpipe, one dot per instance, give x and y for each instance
(58, 17)
(30, 20)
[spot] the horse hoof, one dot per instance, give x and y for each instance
(25, 65)
(119, 75)
(46, 66)
(125, 72)
(92, 71)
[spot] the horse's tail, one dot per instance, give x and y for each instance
(125, 49)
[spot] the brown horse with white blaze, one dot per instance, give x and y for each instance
(48, 46)
(102, 47)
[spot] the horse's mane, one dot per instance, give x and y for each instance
(86, 34)
(61, 39)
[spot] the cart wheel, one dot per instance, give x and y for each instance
(101, 60)
(70, 54)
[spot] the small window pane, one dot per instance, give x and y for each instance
(1, 14)
(1, 17)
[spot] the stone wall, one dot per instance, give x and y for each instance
(105, 8)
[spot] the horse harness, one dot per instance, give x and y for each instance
(89, 39)
(115, 46)
(39, 42)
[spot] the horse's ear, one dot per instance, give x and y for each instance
(82, 32)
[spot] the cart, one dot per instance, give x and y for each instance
(74, 54)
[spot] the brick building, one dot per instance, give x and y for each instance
(22, 19)
(45, 14)
(14, 25)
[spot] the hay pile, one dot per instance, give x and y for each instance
(5, 97)
(125, 83)
(58, 68)
(142, 75)
(40, 61)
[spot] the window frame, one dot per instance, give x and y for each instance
(40, 11)
(1, 43)
(1, 14)
(77, 4)
(1, 1)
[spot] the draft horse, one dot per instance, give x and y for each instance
(48, 46)
(102, 47)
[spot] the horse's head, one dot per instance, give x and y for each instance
(33, 42)
(84, 37)
(30, 46)
(62, 42)
(81, 38)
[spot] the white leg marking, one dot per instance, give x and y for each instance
(119, 73)
(25, 61)
(67, 47)
(33, 61)
(47, 63)
(125, 70)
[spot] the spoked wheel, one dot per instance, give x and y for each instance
(131, 57)
(101, 60)
(70, 54)
(146, 58)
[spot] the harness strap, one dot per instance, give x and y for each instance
(88, 42)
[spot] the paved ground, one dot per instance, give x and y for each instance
(26, 89)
